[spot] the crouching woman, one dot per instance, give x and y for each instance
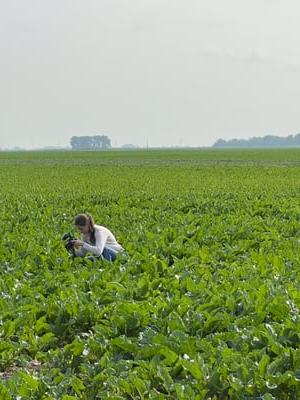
(95, 239)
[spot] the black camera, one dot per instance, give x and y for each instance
(68, 242)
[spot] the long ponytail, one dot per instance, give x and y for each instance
(91, 227)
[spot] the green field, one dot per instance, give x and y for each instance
(206, 306)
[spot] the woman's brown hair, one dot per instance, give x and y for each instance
(86, 219)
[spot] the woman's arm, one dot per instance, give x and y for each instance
(80, 252)
(100, 237)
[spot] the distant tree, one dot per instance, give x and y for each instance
(101, 142)
(220, 143)
(296, 140)
(98, 142)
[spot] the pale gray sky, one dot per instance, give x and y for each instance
(174, 71)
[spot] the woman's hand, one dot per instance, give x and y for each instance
(77, 243)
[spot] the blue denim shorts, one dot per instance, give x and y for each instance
(108, 254)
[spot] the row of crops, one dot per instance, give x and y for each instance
(205, 306)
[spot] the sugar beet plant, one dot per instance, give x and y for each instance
(205, 306)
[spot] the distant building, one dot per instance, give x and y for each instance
(129, 146)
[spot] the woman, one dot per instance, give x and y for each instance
(95, 239)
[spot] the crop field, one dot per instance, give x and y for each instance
(205, 305)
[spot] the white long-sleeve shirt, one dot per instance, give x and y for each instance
(104, 238)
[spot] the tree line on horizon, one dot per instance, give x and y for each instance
(97, 142)
(265, 141)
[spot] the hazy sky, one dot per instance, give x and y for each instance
(181, 72)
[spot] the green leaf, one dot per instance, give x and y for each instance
(263, 364)
(4, 394)
(77, 385)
